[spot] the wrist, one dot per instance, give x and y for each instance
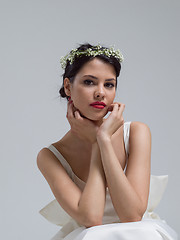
(101, 137)
(103, 141)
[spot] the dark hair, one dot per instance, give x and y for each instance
(72, 69)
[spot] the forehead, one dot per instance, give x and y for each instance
(98, 68)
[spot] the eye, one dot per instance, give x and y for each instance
(109, 85)
(88, 82)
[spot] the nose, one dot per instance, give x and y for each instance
(99, 93)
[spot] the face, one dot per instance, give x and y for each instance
(95, 82)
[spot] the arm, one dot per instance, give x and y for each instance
(129, 192)
(87, 206)
(92, 199)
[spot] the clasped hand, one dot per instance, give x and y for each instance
(87, 130)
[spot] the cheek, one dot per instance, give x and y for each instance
(81, 95)
(112, 96)
(79, 100)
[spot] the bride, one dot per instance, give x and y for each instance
(90, 166)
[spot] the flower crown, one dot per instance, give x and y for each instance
(97, 50)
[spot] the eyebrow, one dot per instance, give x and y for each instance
(110, 79)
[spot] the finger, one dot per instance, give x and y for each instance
(77, 115)
(115, 108)
(120, 113)
(70, 114)
(121, 108)
(117, 103)
(67, 109)
(111, 107)
(118, 109)
(120, 105)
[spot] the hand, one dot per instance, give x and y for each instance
(80, 126)
(114, 121)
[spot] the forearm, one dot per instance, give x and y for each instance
(124, 198)
(92, 201)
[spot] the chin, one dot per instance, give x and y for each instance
(94, 117)
(98, 116)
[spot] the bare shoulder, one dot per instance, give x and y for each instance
(42, 152)
(140, 125)
(45, 158)
(49, 165)
(140, 136)
(140, 130)
(42, 155)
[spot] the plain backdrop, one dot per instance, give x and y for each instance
(34, 35)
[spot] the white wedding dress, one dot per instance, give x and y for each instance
(151, 227)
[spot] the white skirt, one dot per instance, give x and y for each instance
(147, 229)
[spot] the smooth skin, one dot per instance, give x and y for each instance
(94, 148)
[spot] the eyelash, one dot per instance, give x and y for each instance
(109, 85)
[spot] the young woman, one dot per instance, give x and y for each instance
(99, 172)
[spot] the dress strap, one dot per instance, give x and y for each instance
(62, 160)
(126, 136)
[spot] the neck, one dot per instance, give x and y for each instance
(74, 142)
(96, 122)
(99, 122)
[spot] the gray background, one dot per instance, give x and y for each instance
(34, 35)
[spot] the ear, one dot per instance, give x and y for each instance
(67, 86)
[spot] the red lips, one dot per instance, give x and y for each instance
(98, 103)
